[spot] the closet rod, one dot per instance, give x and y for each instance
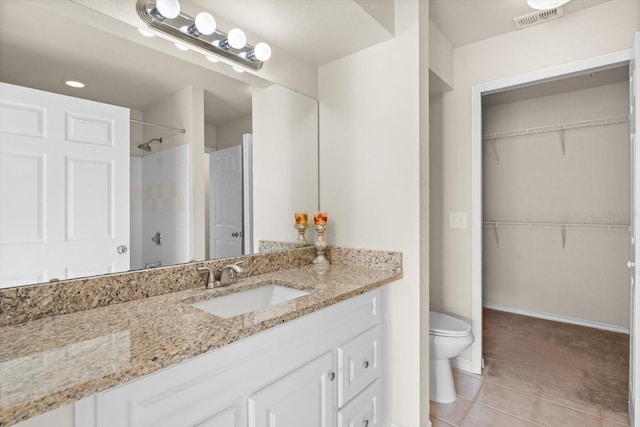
(140, 122)
(555, 225)
(557, 127)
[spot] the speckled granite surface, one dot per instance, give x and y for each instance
(34, 302)
(51, 361)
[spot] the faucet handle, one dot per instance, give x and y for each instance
(210, 277)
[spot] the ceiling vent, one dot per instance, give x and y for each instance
(538, 17)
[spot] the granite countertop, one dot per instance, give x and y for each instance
(53, 361)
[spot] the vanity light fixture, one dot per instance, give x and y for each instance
(165, 18)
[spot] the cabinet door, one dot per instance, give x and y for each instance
(363, 410)
(305, 397)
(358, 364)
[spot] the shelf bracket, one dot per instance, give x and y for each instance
(562, 145)
(563, 230)
(495, 150)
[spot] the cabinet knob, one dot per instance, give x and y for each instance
(365, 423)
(365, 364)
(332, 376)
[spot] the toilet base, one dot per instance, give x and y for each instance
(441, 386)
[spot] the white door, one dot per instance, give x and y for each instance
(634, 327)
(64, 186)
(305, 397)
(225, 202)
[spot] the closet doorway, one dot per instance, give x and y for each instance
(556, 237)
(565, 226)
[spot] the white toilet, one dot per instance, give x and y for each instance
(448, 337)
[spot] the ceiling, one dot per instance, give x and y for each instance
(468, 21)
(315, 31)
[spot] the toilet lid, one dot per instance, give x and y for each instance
(443, 325)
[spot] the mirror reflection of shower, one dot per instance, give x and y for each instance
(145, 146)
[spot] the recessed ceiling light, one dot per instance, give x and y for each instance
(546, 4)
(146, 33)
(74, 83)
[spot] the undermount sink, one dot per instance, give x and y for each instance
(247, 301)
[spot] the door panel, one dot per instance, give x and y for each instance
(225, 209)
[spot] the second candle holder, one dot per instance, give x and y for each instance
(321, 244)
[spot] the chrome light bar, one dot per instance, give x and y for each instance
(181, 27)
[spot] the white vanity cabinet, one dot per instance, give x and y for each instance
(305, 397)
(321, 370)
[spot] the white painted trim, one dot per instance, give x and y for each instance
(548, 74)
(558, 318)
(462, 364)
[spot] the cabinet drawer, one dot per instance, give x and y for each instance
(363, 410)
(358, 364)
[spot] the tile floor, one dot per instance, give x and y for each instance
(487, 402)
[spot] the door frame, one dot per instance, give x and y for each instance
(610, 60)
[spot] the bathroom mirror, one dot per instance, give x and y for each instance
(219, 109)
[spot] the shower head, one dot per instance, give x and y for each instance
(145, 145)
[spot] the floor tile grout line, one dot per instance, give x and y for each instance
(503, 411)
(575, 409)
(513, 388)
(472, 402)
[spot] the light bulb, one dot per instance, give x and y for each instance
(262, 51)
(168, 8)
(237, 38)
(238, 69)
(205, 23)
(546, 4)
(212, 58)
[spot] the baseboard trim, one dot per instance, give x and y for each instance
(557, 317)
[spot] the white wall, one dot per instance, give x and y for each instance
(588, 279)
(285, 162)
(135, 219)
(595, 31)
(370, 180)
(210, 136)
(230, 133)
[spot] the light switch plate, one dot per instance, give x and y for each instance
(458, 220)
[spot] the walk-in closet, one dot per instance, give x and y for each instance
(556, 215)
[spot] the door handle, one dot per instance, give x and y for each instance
(236, 234)
(122, 249)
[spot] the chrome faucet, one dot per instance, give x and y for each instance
(211, 283)
(229, 274)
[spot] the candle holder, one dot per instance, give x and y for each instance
(302, 234)
(321, 245)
